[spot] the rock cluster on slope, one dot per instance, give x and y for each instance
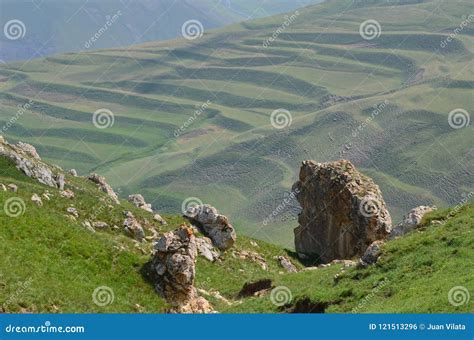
(173, 270)
(213, 224)
(411, 221)
(139, 201)
(104, 186)
(27, 160)
(343, 211)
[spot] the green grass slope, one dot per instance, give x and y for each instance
(50, 263)
(192, 118)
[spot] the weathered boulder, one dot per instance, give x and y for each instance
(27, 160)
(73, 172)
(173, 270)
(139, 201)
(285, 262)
(133, 227)
(12, 187)
(411, 221)
(372, 253)
(214, 225)
(343, 211)
(206, 249)
(104, 186)
(37, 200)
(159, 219)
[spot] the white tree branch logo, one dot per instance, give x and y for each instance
(458, 296)
(14, 29)
(281, 296)
(103, 296)
(14, 207)
(370, 29)
(281, 118)
(103, 119)
(459, 118)
(192, 29)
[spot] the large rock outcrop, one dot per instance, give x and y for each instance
(27, 160)
(173, 269)
(343, 211)
(213, 224)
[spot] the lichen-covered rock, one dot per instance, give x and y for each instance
(173, 270)
(213, 224)
(133, 227)
(139, 201)
(372, 253)
(411, 221)
(343, 211)
(285, 262)
(104, 186)
(27, 160)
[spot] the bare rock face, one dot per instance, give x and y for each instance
(411, 221)
(173, 269)
(139, 201)
(27, 160)
(343, 211)
(214, 225)
(104, 186)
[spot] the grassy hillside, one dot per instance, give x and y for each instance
(49, 263)
(193, 118)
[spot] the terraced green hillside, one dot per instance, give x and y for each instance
(51, 263)
(192, 118)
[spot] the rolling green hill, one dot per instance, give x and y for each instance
(192, 118)
(51, 263)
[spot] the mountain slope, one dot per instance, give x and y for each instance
(193, 118)
(51, 263)
(56, 27)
